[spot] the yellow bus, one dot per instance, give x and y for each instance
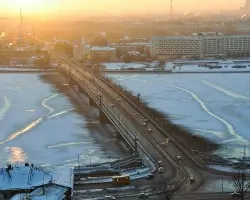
(121, 180)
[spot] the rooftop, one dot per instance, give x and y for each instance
(52, 192)
(27, 177)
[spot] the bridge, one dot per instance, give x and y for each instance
(144, 133)
(114, 108)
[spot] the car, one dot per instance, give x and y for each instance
(149, 130)
(145, 120)
(143, 195)
(112, 105)
(136, 114)
(161, 169)
(160, 163)
(179, 158)
(109, 197)
(144, 124)
(236, 195)
(150, 176)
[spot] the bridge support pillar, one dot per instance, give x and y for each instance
(102, 117)
(119, 136)
(92, 102)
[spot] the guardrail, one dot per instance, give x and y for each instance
(180, 172)
(111, 116)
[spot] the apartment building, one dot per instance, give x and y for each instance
(173, 47)
(101, 54)
(81, 51)
(200, 46)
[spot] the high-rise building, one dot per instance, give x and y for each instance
(173, 47)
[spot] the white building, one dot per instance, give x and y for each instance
(173, 47)
(81, 51)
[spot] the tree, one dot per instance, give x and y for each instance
(166, 189)
(240, 183)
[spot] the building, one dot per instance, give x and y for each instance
(101, 54)
(243, 25)
(81, 51)
(123, 49)
(20, 179)
(173, 47)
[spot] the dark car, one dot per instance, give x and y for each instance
(236, 195)
(150, 176)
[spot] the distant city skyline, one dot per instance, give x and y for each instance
(121, 7)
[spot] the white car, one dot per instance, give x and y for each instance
(109, 197)
(143, 195)
(179, 158)
(161, 169)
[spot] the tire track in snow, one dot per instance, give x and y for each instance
(22, 131)
(36, 122)
(203, 106)
(46, 106)
(7, 105)
(225, 91)
(60, 113)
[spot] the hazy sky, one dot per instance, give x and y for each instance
(95, 7)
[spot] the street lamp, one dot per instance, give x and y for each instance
(99, 96)
(136, 145)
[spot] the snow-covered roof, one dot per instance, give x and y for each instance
(97, 48)
(27, 177)
(52, 192)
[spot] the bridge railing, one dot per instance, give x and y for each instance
(79, 78)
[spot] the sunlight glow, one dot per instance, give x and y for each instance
(28, 5)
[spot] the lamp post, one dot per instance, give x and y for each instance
(136, 145)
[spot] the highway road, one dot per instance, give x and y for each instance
(152, 140)
(209, 196)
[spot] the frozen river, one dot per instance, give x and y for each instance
(40, 125)
(216, 106)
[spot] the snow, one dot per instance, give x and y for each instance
(97, 48)
(228, 169)
(215, 106)
(192, 66)
(136, 65)
(52, 192)
(24, 177)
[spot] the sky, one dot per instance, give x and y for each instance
(103, 7)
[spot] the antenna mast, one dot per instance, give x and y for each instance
(21, 26)
(171, 8)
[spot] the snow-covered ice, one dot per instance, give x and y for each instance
(216, 106)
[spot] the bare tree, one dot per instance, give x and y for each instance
(240, 183)
(167, 189)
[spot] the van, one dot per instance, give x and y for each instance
(192, 180)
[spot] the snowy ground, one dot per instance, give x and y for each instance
(40, 125)
(216, 106)
(122, 65)
(227, 66)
